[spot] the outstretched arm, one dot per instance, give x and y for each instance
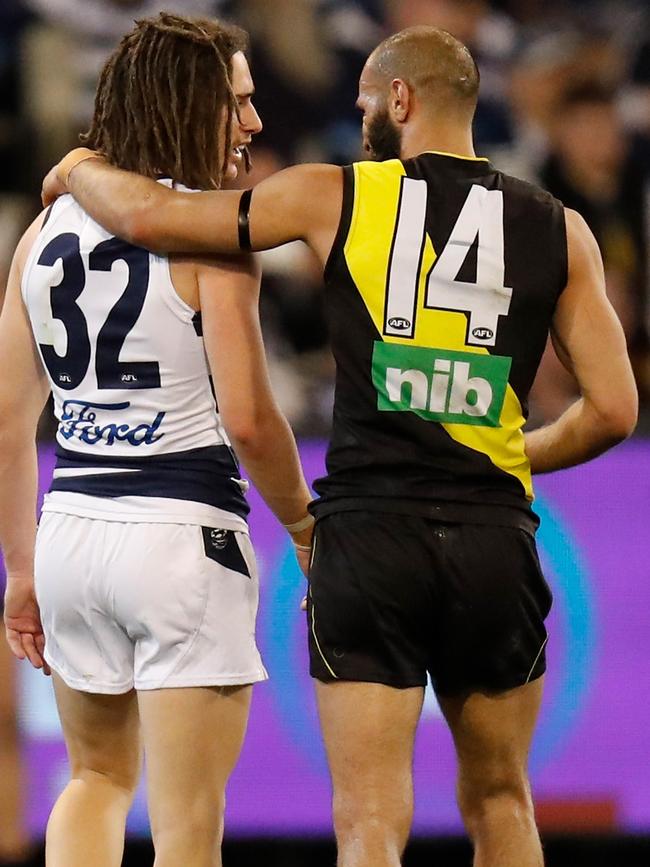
(590, 343)
(150, 215)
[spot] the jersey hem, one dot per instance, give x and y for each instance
(183, 512)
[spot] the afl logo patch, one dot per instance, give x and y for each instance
(219, 539)
(399, 323)
(482, 333)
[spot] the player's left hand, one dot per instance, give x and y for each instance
(304, 558)
(56, 181)
(52, 187)
(303, 555)
(23, 623)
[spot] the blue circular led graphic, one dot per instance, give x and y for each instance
(284, 639)
(284, 635)
(573, 599)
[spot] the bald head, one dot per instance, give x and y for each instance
(439, 69)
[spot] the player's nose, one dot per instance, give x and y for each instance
(251, 121)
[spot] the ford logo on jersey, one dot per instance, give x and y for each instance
(79, 419)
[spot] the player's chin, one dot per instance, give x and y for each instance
(233, 167)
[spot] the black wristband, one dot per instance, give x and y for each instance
(243, 221)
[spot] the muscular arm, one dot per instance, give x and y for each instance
(23, 392)
(299, 203)
(260, 434)
(590, 343)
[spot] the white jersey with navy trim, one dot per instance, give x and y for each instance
(139, 436)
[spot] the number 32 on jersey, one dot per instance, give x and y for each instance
(69, 369)
(480, 221)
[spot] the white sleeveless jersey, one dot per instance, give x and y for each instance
(139, 436)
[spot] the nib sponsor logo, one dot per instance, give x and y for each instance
(440, 384)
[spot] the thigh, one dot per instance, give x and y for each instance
(187, 597)
(84, 643)
(493, 600)
(192, 740)
(369, 601)
(369, 731)
(492, 734)
(101, 732)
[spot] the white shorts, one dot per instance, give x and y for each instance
(148, 606)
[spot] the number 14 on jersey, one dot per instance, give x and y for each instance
(480, 221)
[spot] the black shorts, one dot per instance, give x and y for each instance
(392, 597)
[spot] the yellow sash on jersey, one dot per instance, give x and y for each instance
(367, 252)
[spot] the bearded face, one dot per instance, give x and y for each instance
(382, 140)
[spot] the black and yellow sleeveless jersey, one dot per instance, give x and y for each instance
(440, 289)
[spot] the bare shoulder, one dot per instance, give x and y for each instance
(322, 176)
(581, 242)
(195, 275)
(235, 267)
(235, 262)
(225, 280)
(303, 178)
(302, 189)
(299, 203)
(18, 262)
(27, 241)
(586, 274)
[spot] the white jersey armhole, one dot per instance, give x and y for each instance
(184, 311)
(46, 230)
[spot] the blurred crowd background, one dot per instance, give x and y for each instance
(565, 102)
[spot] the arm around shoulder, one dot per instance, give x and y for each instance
(150, 215)
(300, 203)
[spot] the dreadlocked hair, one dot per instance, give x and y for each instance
(161, 98)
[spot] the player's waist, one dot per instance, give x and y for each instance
(149, 510)
(499, 514)
(208, 475)
(488, 497)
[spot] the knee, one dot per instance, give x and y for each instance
(366, 821)
(496, 798)
(96, 765)
(198, 821)
(122, 775)
(117, 781)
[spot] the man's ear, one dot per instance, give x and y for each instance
(401, 100)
